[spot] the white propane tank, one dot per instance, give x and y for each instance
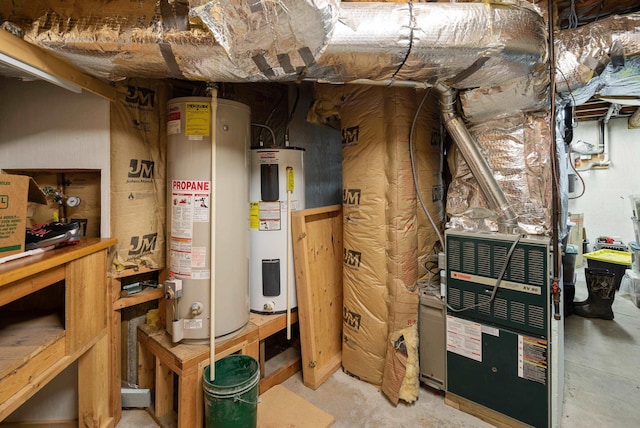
(190, 198)
(272, 169)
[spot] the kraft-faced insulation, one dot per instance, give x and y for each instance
(138, 182)
(381, 227)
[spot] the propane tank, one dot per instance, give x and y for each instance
(191, 200)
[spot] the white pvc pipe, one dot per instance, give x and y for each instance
(289, 191)
(212, 246)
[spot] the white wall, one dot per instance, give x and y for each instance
(43, 126)
(605, 203)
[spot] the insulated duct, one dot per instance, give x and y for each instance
(465, 44)
(507, 218)
(584, 53)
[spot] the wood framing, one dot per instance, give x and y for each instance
(36, 57)
(317, 249)
(35, 348)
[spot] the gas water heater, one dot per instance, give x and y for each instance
(196, 203)
(276, 188)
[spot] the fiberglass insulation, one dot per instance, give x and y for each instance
(381, 217)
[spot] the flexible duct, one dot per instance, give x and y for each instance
(507, 218)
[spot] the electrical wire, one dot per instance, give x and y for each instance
(573, 16)
(413, 169)
(273, 136)
(270, 116)
(291, 115)
(584, 187)
(498, 281)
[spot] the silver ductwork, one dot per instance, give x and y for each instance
(464, 44)
(507, 218)
(590, 56)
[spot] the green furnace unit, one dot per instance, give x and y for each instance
(498, 347)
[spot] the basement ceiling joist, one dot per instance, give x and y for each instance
(573, 13)
(596, 109)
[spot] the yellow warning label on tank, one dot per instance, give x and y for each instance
(197, 119)
(290, 181)
(254, 215)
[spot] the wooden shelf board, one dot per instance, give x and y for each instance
(23, 338)
(270, 324)
(146, 295)
(27, 266)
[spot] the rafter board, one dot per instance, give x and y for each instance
(32, 55)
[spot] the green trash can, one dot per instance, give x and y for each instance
(231, 400)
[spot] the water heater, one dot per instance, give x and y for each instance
(195, 205)
(276, 187)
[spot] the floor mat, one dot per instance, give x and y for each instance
(279, 407)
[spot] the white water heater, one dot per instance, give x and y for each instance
(193, 201)
(276, 187)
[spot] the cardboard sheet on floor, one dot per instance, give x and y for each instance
(279, 407)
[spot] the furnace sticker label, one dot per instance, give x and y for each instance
(532, 359)
(464, 338)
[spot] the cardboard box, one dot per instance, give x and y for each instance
(15, 192)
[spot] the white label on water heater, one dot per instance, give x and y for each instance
(201, 274)
(173, 121)
(180, 262)
(198, 257)
(270, 216)
(268, 158)
(201, 207)
(192, 324)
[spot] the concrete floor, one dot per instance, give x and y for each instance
(602, 383)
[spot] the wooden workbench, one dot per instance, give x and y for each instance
(55, 313)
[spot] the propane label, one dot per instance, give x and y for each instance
(192, 324)
(189, 203)
(270, 216)
(532, 359)
(197, 119)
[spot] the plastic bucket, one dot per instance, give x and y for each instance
(231, 400)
